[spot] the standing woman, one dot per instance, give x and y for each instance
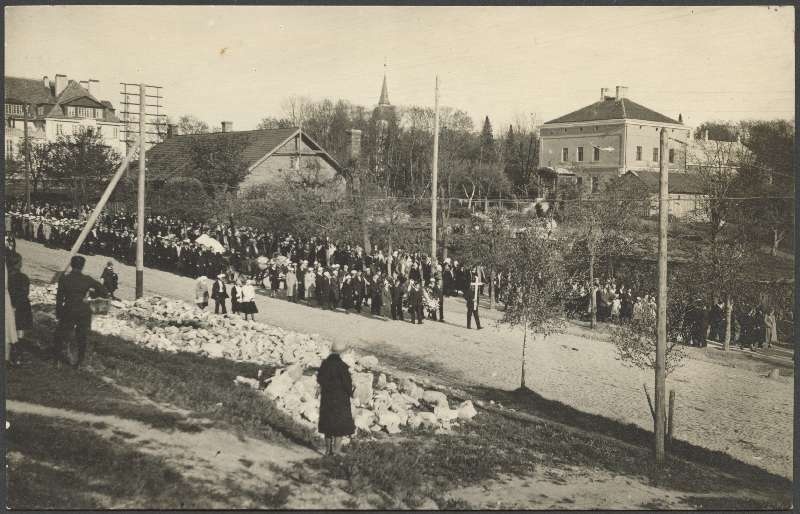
(248, 305)
(19, 286)
(336, 388)
(291, 283)
(236, 295)
(201, 292)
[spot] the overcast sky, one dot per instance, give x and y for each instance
(239, 63)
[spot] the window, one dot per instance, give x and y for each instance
(580, 154)
(9, 148)
(59, 129)
(596, 154)
(15, 109)
(655, 154)
(580, 182)
(638, 153)
(671, 155)
(564, 154)
(595, 184)
(116, 135)
(98, 113)
(40, 110)
(99, 130)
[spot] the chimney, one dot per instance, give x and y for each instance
(85, 84)
(61, 83)
(621, 90)
(172, 130)
(45, 82)
(227, 126)
(680, 117)
(603, 93)
(355, 144)
(93, 85)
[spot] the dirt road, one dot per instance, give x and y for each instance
(734, 410)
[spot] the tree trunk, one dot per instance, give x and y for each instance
(524, 346)
(592, 293)
(492, 292)
(776, 241)
(728, 310)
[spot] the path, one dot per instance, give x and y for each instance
(724, 408)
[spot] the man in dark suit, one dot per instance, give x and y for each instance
(72, 307)
(471, 296)
(219, 293)
(415, 301)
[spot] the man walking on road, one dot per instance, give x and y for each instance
(471, 296)
(219, 294)
(72, 308)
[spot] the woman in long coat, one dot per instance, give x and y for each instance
(291, 283)
(336, 388)
(19, 290)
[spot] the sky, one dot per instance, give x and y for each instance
(530, 63)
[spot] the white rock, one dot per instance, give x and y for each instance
(466, 410)
(445, 413)
(363, 385)
(364, 419)
(252, 382)
(368, 361)
(279, 385)
(389, 420)
(428, 419)
(381, 381)
(434, 397)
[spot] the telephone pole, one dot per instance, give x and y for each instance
(27, 108)
(661, 325)
(140, 213)
(434, 183)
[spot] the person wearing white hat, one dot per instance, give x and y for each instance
(201, 292)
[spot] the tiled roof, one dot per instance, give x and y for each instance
(74, 91)
(16, 89)
(679, 183)
(613, 109)
(174, 155)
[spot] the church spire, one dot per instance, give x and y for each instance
(384, 101)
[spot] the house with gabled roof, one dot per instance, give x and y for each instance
(56, 107)
(270, 155)
(609, 137)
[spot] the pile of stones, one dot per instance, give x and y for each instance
(379, 404)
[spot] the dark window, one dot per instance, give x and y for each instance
(596, 155)
(580, 154)
(638, 153)
(595, 184)
(671, 155)
(580, 181)
(564, 154)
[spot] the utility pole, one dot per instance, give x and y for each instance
(140, 213)
(661, 324)
(434, 183)
(27, 160)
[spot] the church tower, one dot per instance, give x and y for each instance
(384, 100)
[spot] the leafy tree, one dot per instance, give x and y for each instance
(188, 124)
(536, 274)
(270, 123)
(717, 131)
(183, 198)
(218, 162)
(635, 342)
(487, 245)
(603, 227)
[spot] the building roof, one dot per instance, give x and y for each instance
(679, 183)
(22, 90)
(614, 109)
(174, 156)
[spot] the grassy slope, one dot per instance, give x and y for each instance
(405, 470)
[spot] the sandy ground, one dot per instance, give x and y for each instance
(735, 410)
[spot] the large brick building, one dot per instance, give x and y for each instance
(56, 107)
(608, 138)
(270, 155)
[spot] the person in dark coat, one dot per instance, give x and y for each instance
(398, 291)
(415, 301)
(110, 279)
(472, 306)
(19, 286)
(336, 389)
(219, 294)
(72, 308)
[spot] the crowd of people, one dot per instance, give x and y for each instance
(333, 274)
